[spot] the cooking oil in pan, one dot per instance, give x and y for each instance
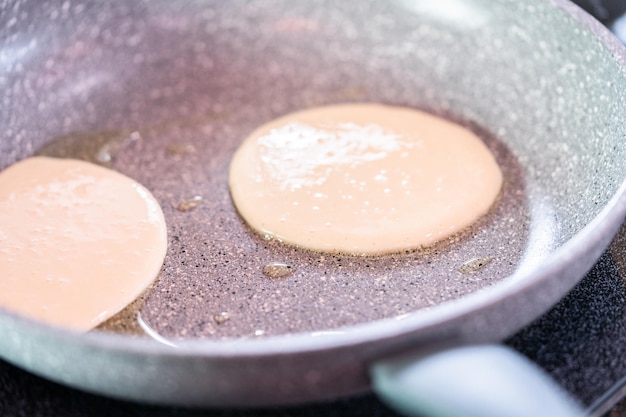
(180, 149)
(215, 262)
(219, 263)
(278, 270)
(221, 318)
(96, 147)
(102, 146)
(189, 204)
(474, 265)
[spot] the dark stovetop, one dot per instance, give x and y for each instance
(581, 342)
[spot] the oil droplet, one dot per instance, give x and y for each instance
(180, 149)
(278, 270)
(107, 152)
(189, 204)
(475, 265)
(221, 318)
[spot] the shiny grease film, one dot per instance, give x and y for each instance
(221, 279)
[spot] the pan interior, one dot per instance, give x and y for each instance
(169, 90)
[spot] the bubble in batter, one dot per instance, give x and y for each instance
(78, 242)
(362, 179)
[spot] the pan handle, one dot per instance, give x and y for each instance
(473, 381)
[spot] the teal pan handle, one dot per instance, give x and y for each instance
(474, 381)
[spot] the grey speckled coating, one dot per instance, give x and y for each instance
(543, 85)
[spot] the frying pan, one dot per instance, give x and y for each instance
(165, 91)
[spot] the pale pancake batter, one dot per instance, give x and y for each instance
(78, 242)
(362, 179)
